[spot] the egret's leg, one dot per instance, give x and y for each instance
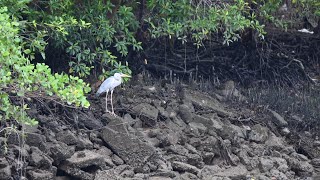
(107, 101)
(112, 111)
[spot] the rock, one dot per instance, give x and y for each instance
(166, 174)
(253, 164)
(88, 120)
(36, 140)
(200, 128)
(208, 172)
(203, 120)
(147, 113)
(208, 158)
(285, 131)
(185, 113)
(262, 177)
(277, 174)
(60, 152)
(298, 156)
(184, 167)
(85, 158)
(154, 142)
(62, 178)
(239, 131)
(163, 113)
(244, 158)
(234, 172)
(67, 137)
(215, 172)
(207, 102)
(191, 148)
(316, 143)
(107, 154)
(127, 143)
(21, 152)
(300, 167)
(175, 157)
(5, 171)
(167, 138)
(259, 134)
(140, 176)
(195, 160)
(31, 129)
(227, 132)
(129, 120)
(188, 176)
(195, 142)
(315, 162)
(127, 173)
(177, 149)
(117, 160)
(257, 150)
(210, 144)
(94, 137)
(281, 164)
(275, 142)
(79, 161)
(265, 164)
(83, 143)
(159, 178)
(278, 119)
(39, 160)
(40, 175)
(107, 175)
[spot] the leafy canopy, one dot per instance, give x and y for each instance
(19, 78)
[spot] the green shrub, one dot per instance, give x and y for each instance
(22, 79)
(182, 19)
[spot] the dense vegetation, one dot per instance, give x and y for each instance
(96, 37)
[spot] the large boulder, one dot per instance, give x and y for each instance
(127, 143)
(204, 101)
(81, 160)
(278, 119)
(147, 113)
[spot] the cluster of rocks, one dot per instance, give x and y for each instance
(163, 134)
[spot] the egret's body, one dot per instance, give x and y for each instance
(108, 86)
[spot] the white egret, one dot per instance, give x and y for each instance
(108, 85)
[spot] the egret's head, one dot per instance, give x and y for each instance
(120, 75)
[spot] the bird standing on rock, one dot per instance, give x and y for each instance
(108, 85)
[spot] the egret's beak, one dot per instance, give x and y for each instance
(125, 75)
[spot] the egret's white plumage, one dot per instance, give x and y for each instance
(108, 85)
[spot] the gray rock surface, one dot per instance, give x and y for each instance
(67, 137)
(5, 172)
(258, 134)
(40, 175)
(147, 113)
(60, 152)
(80, 160)
(265, 164)
(278, 119)
(184, 167)
(39, 160)
(127, 143)
(205, 101)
